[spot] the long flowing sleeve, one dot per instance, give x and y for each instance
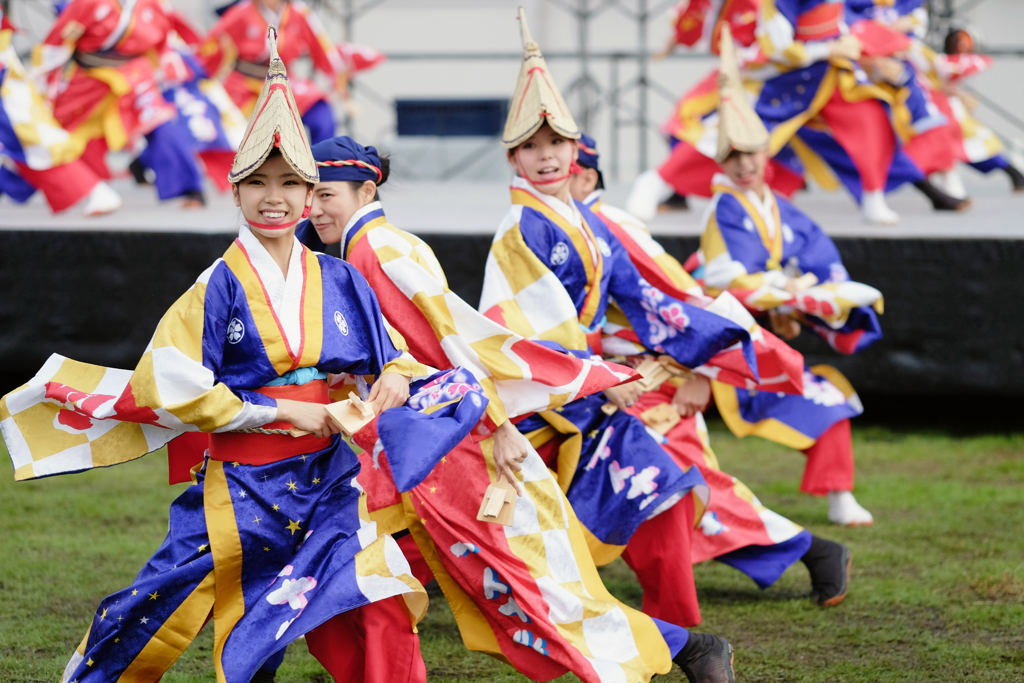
(74, 416)
(690, 335)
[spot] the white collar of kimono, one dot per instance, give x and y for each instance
(764, 207)
(372, 206)
(592, 197)
(567, 211)
(285, 293)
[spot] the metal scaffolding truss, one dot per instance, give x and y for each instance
(621, 101)
(626, 102)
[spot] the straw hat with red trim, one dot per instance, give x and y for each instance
(275, 122)
(537, 99)
(739, 126)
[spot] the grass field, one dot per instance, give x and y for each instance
(937, 591)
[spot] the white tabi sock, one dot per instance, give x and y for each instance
(843, 509)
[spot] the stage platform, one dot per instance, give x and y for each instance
(93, 289)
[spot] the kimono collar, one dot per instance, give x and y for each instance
(764, 213)
(287, 311)
(370, 216)
(569, 212)
(593, 201)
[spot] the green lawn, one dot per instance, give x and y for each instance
(937, 592)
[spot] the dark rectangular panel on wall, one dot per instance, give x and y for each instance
(953, 321)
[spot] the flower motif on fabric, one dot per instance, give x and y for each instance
(821, 391)
(666, 319)
(342, 324)
(602, 452)
(461, 549)
(451, 386)
(293, 592)
(527, 638)
(643, 483)
(236, 331)
(494, 586)
(619, 475)
(559, 254)
(512, 609)
(710, 525)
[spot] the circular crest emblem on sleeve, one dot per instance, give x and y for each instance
(236, 330)
(559, 254)
(603, 247)
(340, 321)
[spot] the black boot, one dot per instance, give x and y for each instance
(829, 565)
(706, 659)
(194, 199)
(138, 171)
(1016, 177)
(264, 676)
(677, 202)
(940, 200)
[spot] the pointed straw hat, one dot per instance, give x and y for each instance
(275, 122)
(739, 126)
(537, 98)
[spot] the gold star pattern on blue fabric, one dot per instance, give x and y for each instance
(135, 592)
(90, 662)
(593, 434)
(316, 480)
(266, 549)
(275, 507)
(104, 615)
(294, 526)
(292, 486)
(201, 549)
(235, 464)
(257, 520)
(154, 595)
(120, 617)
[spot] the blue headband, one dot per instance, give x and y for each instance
(342, 158)
(588, 152)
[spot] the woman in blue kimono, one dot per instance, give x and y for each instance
(776, 261)
(268, 539)
(549, 276)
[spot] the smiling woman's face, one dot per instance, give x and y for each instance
(545, 157)
(272, 199)
(334, 204)
(746, 170)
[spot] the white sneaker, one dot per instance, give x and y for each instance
(949, 182)
(844, 510)
(102, 200)
(649, 190)
(875, 210)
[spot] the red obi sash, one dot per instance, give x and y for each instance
(262, 449)
(820, 23)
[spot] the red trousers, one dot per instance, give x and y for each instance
(864, 131)
(936, 149)
(659, 554)
(372, 644)
(829, 462)
(63, 186)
